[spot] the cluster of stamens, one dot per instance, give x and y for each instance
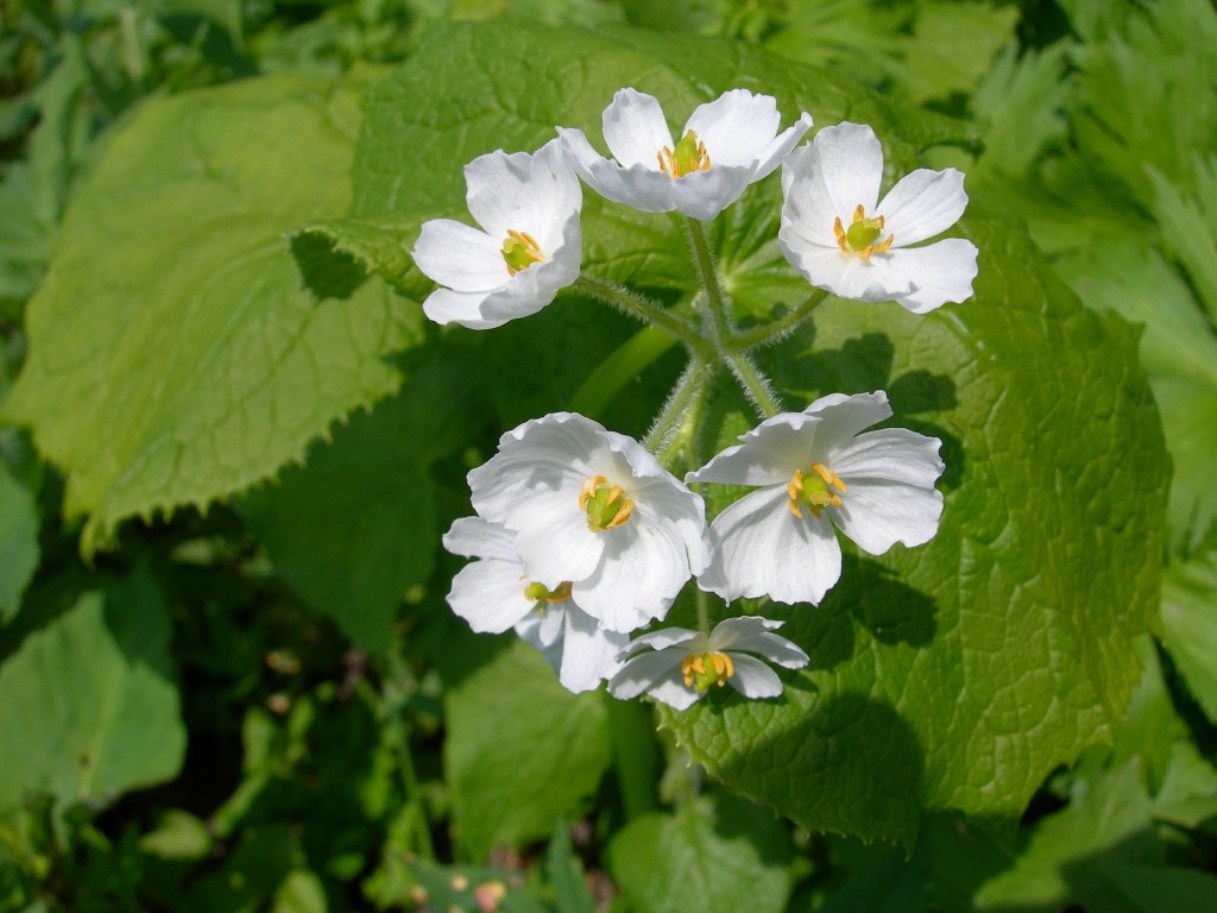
(700, 674)
(539, 592)
(688, 156)
(520, 251)
(815, 489)
(605, 504)
(861, 235)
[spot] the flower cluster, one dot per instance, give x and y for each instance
(583, 536)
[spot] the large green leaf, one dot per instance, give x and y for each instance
(952, 677)
(89, 705)
(717, 852)
(521, 751)
(18, 541)
(174, 357)
(956, 676)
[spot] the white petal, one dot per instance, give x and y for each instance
(498, 192)
(635, 129)
(644, 673)
(754, 635)
(489, 594)
(763, 549)
(890, 455)
(589, 653)
(704, 194)
(753, 678)
(851, 162)
(939, 273)
(923, 204)
(736, 127)
(769, 454)
(460, 257)
(841, 419)
(645, 566)
(877, 515)
(663, 639)
(473, 537)
(558, 546)
(445, 306)
(776, 152)
(538, 631)
(807, 206)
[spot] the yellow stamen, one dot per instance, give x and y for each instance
(520, 251)
(689, 155)
(699, 678)
(605, 504)
(816, 492)
(539, 592)
(862, 236)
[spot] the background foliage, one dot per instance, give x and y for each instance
(228, 679)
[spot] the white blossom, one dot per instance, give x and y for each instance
(813, 470)
(593, 508)
(726, 145)
(682, 665)
(842, 238)
(527, 248)
(493, 594)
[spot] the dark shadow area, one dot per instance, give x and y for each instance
(326, 271)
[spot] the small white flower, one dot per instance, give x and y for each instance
(814, 470)
(493, 594)
(837, 233)
(528, 247)
(683, 665)
(593, 508)
(726, 145)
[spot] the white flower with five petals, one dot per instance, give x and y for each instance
(842, 238)
(593, 508)
(726, 145)
(528, 247)
(493, 593)
(814, 470)
(682, 665)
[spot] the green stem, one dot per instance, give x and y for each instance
(704, 259)
(755, 384)
(703, 613)
(771, 332)
(643, 309)
(672, 425)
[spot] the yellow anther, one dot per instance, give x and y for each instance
(520, 251)
(700, 678)
(605, 504)
(862, 236)
(688, 156)
(538, 592)
(816, 490)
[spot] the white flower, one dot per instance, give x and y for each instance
(593, 508)
(815, 471)
(493, 594)
(842, 240)
(528, 248)
(726, 145)
(684, 664)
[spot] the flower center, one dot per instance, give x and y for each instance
(706, 669)
(520, 251)
(815, 489)
(606, 504)
(861, 235)
(689, 155)
(539, 593)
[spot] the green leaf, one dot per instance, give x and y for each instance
(1161, 889)
(953, 46)
(956, 676)
(174, 358)
(1075, 855)
(89, 704)
(717, 852)
(571, 893)
(1189, 625)
(354, 527)
(18, 541)
(521, 750)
